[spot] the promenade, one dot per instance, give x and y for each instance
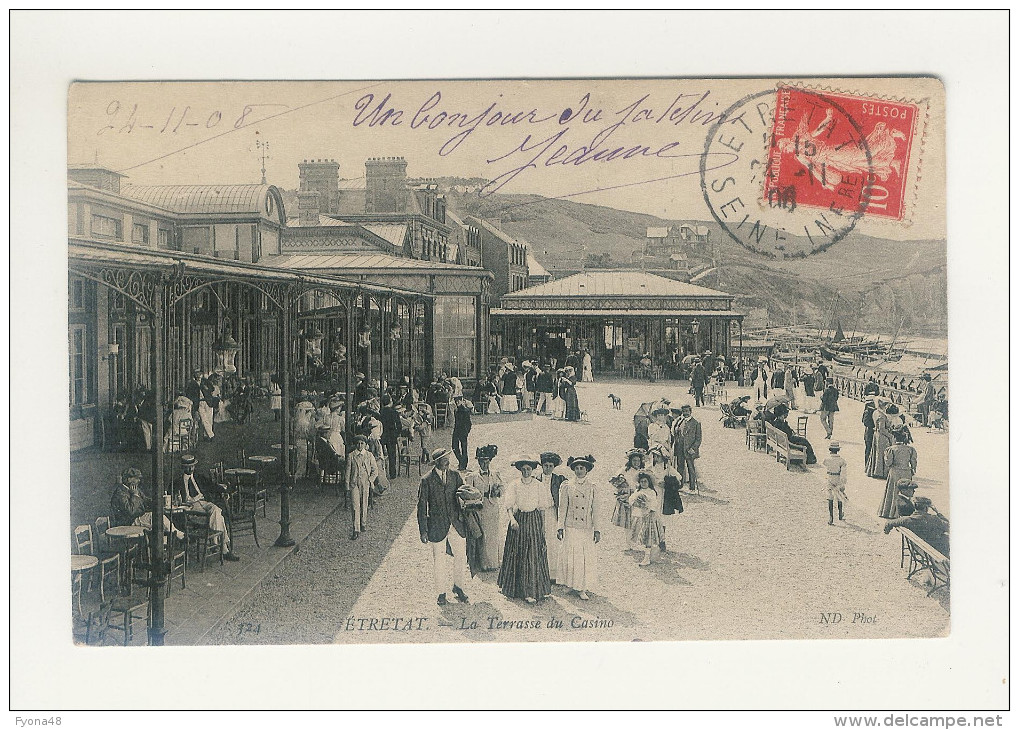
(752, 556)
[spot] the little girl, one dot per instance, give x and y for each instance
(625, 485)
(647, 531)
(835, 465)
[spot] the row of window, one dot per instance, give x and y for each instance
(518, 254)
(518, 282)
(104, 226)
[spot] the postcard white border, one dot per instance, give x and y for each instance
(968, 50)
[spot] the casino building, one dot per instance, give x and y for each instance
(617, 316)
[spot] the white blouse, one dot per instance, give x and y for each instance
(521, 496)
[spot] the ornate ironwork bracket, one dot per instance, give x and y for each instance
(182, 284)
(141, 286)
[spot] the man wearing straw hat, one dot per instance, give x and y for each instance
(441, 525)
(362, 472)
(197, 492)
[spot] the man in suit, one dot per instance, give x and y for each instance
(441, 524)
(193, 391)
(698, 379)
(687, 446)
(201, 494)
(829, 407)
(462, 410)
(391, 429)
(543, 383)
(362, 473)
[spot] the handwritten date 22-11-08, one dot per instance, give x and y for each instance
(129, 118)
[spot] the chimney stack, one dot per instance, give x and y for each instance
(308, 207)
(385, 185)
(322, 176)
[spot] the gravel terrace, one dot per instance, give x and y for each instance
(752, 556)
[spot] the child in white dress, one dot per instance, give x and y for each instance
(647, 531)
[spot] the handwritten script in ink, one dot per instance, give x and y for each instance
(131, 118)
(575, 135)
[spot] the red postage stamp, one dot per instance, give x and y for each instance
(839, 151)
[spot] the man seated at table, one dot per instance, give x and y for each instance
(200, 494)
(931, 528)
(128, 506)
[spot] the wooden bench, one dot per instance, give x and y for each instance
(783, 449)
(756, 438)
(924, 557)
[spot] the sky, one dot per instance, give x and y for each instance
(525, 136)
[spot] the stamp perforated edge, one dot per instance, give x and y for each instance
(913, 176)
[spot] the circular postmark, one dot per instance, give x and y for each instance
(802, 175)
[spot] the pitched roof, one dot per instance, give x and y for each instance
(323, 261)
(534, 267)
(657, 232)
(323, 220)
(395, 233)
(202, 198)
(611, 282)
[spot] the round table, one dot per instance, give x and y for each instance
(128, 532)
(78, 564)
(83, 562)
(263, 460)
(238, 471)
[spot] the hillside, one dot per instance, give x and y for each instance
(880, 283)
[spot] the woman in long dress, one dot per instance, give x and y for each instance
(303, 430)
(558, 402)
(524, 572)
(489, 484)
(207, 405)
(579, 528)
(568, 392)
(791, 383)
(549, 461)
(900, 460)
(882, 440)
(225, 392)
(587, 368)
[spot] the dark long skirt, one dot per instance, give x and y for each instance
(572, 405)
(524, 572)
(800, 441)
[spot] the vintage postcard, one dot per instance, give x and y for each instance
(508, 361)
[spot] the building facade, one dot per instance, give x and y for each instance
(617, 316)
(503, 255)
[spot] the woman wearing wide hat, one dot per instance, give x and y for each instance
(579, 528)
(489, 483)
(527, 501)
(881, 440)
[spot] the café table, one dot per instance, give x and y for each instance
(125, 535)
(80, 564)
(238, 473)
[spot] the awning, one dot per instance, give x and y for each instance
(133, 257)
(617, 313)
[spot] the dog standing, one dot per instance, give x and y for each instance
(617, 402)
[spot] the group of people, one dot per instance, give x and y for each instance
(217, 398)
(678, 434)
(538, 528)
(533, 387)
(197, 492)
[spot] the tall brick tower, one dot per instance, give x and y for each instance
(323, 177)
(385, 185)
